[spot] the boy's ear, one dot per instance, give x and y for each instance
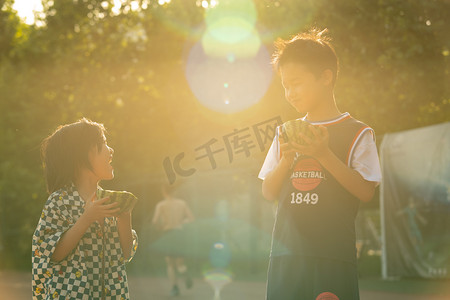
(327, 77)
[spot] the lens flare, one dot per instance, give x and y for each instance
(230, 28)
(246, 47)
(220, 255)
(231, 20)
(217, 279)
(228, 84)
(218, 246)
(229, 69)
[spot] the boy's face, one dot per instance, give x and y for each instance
(100, 160)
(301, 87)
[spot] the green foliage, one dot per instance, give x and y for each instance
(126, 69)
(392, 60)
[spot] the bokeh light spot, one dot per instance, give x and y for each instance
(246, 79)
(220, 255)
(245, 47)
(233, 9)
(230, 28)
(218, 245)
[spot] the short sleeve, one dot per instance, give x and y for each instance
(272, 158)
(113, 245)
(51, 226)
(365, 158)
(134, 247)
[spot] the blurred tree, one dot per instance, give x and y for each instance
(124, 66)
(393, 60)
(9, 24)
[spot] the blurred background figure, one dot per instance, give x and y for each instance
(170, 215)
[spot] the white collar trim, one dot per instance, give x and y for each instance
(326, 122)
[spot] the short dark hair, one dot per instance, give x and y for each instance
(312, 49)
(66, 150)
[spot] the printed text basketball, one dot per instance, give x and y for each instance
(307, 175)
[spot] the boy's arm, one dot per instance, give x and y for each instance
(94, 210)
(70, 239)
(350, 179)
(273, 181)
(125, 233)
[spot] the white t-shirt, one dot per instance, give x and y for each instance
(364, 155)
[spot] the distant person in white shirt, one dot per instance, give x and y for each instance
(171, 214)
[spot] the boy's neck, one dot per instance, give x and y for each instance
(86, 187)
(326, 110)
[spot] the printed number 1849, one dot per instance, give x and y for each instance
(299, 198)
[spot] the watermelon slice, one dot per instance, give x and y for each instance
(291, 129)
(125, 199)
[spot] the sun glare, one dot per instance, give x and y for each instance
(26, 9)
(229, 69)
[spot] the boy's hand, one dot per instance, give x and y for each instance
(127, 214)
(286, 150)
(315, 146)
(95, 210)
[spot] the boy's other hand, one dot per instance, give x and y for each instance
(127, 214)
(286, 150)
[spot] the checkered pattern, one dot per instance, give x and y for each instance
(79, 275)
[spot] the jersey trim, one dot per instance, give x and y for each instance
(358, 136)
(339, 119)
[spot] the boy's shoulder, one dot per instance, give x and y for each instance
(348, 125)
(347, 120)
(337, 119)
(359, 121)
(58, 196)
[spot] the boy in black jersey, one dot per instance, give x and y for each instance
(318, 184)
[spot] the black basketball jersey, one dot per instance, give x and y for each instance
(315, 214)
